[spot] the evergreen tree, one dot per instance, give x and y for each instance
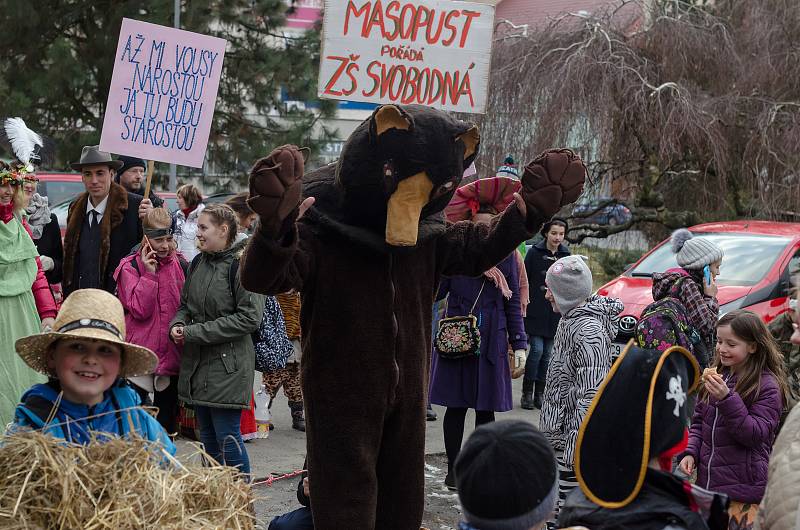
(56, 62)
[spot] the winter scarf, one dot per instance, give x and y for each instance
(17, 259)
(500, 282)
(38, 212)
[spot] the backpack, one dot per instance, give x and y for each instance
(272, 345)
(664, 324)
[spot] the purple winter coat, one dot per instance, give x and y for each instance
(484, 382)
(731, 441)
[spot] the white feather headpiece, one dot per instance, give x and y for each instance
(24, 142)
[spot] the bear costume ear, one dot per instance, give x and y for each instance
(389, 117)
(471, 139)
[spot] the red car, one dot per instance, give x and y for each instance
(760, 258)
(58, 187)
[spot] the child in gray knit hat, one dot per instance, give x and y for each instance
(580, 360)
(693, 288)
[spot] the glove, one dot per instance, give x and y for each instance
(552, 180)
(520, 356)
(276, 188)
(47, 263)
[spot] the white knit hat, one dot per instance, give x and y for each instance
(694, 253)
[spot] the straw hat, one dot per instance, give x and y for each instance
(88, 314)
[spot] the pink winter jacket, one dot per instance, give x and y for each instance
(151, 301)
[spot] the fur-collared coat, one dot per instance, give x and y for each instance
(120, 230)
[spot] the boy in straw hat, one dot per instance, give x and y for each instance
(634, 427)
(86, 358)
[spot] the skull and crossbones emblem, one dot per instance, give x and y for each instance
(677, 393)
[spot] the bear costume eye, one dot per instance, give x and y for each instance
(444, 189)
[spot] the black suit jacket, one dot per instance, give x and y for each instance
(120, 229)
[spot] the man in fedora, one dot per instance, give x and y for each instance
(103, 224)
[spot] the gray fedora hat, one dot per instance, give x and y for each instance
(91, 155)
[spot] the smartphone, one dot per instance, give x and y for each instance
(707, 274)
(148, 248)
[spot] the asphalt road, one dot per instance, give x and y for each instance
(284, 451)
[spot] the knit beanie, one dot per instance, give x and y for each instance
(506, 476)
(694, 253)
(570, 281)
(508, 169)
(129, 162)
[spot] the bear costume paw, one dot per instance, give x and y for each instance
(552, 180)
(276, 187)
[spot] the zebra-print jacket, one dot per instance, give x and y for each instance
(580, 361)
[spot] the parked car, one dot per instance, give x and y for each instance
(58, 187)
(218, 197)
(760, 258)
(602, 211)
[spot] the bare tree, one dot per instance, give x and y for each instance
(691, 113)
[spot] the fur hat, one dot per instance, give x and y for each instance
(570, 281)
(507, 476)
(88, 314)
(694, 253)
(641, 411)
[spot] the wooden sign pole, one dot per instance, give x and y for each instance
(150, 167)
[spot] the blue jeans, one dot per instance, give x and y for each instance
(299, 519)
(222, 428)
(538, 359)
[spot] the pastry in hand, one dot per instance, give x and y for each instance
(707, 372)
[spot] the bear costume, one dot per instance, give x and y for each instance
(367, 258)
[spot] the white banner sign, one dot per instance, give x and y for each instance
(427, 52)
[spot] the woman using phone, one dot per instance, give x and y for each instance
(694, 285)
(149, 284)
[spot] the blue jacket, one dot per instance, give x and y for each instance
(118, 414)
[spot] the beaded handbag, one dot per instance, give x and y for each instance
(459, 337)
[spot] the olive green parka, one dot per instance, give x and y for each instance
(218, 360)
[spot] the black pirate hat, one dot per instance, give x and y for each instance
(639, 412)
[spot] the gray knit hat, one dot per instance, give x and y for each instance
(694, 253)
(570, 281)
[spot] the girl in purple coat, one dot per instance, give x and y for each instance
(482, 383)
(737, 415)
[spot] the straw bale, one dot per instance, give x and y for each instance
(46, 483)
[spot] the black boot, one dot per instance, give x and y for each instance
(298, 422)
(538, 394)
(450, 479)
(527, 395)
(430, 414)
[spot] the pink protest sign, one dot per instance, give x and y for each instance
(163, 92)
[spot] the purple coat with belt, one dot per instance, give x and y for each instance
(483, 382)
(731, 440)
